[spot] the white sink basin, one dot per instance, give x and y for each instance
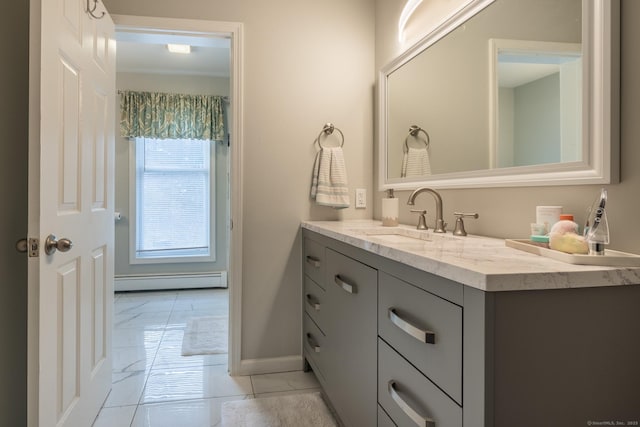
(396, 235)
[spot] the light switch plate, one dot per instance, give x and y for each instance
(361, 198)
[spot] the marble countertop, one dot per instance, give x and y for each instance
(481, 262)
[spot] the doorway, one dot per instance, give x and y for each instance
(207, 75)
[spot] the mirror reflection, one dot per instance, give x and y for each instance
(502, 90)
(537, 93)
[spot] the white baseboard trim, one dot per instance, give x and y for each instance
(149, 282)
(271, 365)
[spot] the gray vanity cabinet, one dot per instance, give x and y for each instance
(406, 347)
(340, 330)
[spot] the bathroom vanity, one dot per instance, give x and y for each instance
(414, 328)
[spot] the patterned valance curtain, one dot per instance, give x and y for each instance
(171, 116)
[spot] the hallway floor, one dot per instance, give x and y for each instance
(155, 386)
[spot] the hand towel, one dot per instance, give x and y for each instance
(329, 181)
(416, 162)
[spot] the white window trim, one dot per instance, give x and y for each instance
(133, 232)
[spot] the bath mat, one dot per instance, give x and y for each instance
(206, 335)
(294, 410)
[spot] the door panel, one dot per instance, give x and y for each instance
(100, 327)
(100, 154)
(68, 375)
(67, 138)
(71, 196)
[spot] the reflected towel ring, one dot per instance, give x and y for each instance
(414, 131)
(327, 130)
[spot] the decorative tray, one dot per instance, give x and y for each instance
(610, 258)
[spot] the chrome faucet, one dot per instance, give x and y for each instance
(440, 224)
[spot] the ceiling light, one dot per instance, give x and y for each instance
(179, 48)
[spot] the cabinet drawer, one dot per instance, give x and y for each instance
(425, 329)
(350, 277)
(314, 261)
(409, 397)
(383, 419)
(315, 302)
(314, 345)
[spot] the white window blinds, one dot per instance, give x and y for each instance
(173, 198)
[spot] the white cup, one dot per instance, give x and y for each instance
(538, 229)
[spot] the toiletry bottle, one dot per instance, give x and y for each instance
(390, 209)
(596, 229)
(569, 217)
(598, 234)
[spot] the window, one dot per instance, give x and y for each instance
(172, 201)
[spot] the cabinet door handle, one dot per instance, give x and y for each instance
(313, 302)
(344, 285)
(313, 261)
(312, 343)
(411, 413)
(419, 334)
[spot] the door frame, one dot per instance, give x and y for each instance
(233, 30)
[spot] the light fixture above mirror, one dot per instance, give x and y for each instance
(451, 91)
(406, 13)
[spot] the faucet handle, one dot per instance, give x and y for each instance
(422, 222)
(459, 229)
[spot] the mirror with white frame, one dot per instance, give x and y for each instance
(505, 93)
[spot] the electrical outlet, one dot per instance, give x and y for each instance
(361, 198)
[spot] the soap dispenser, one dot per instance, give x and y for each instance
(390, 209)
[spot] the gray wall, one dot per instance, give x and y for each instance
(305, 63)
(537, 122)
(172, 84)
(14, 86)
(507, 212)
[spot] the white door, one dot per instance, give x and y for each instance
(71, 196)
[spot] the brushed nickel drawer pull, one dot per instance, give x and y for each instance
(419, 334)
(312, 343)
(313, 261)
(344, 285)
(411, 413)
(313, 302)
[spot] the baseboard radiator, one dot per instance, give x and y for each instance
(148, 282)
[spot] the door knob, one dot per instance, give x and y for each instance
(52, 244)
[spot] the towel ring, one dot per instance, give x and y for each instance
(327, 130)
(414, 131)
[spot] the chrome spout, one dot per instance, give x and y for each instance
(440, 224)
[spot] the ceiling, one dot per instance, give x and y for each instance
(146, 52)
(512, 75)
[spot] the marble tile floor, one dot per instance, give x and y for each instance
(155, 386)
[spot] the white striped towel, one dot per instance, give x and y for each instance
(416, 162)
(329, 181)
